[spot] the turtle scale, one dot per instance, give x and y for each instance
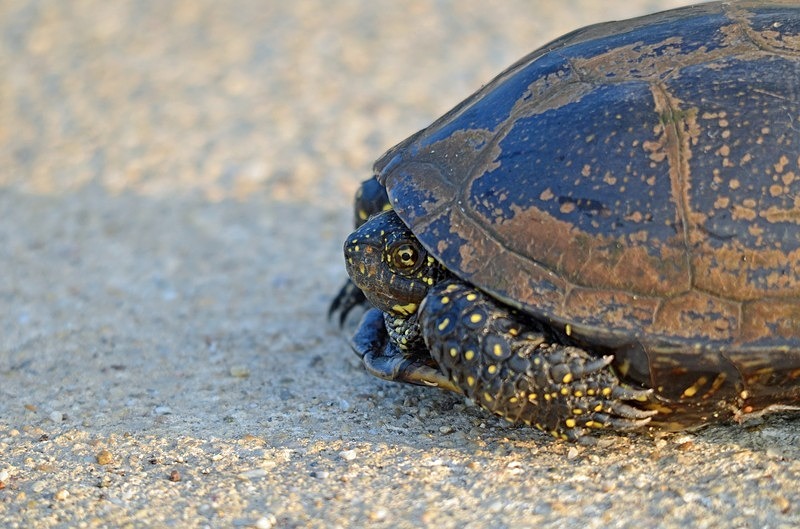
(634, 185)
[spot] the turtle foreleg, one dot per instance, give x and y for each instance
(384, 357)
(502, 361)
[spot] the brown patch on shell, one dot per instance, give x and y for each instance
(728, 271)
(766, 39)
(697, 315)
(768, 319)
(531, 283)
(629, 311)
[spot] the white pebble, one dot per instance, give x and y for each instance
(62, 495)
(266, 522)
(239, 371)
(162, 410)
(4, 475)
(56, 416)
(348, 455)
(252, 474)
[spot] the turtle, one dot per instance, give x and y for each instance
(606, 236)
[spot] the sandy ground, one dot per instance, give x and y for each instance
(176, 179)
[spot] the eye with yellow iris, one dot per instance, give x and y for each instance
(405, 256)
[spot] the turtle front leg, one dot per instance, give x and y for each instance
(506, 365)
(384, 357)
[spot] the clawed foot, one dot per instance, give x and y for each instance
(569, 393)
(348, 298)
(384, 359)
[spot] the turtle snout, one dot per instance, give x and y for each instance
(361, 259)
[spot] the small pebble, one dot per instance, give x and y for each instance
(104, 457)
(378, 515)
(62, 495)
(162, 410)
(266, 522)
(783, 503)
(446, 430)
(4, 475)
(239, 371)
(348, 455)
(572, 453)
(252, 474)
(174, 476)
(56, 416)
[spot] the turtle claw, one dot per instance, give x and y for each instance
(628, 393)
(625, 411)
(621, 424)
(348, 298)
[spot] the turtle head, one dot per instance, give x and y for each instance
(387, 262)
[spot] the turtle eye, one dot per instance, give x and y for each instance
(405, 256)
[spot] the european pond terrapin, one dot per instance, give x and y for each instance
(607, 235)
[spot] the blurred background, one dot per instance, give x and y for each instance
(228, 99)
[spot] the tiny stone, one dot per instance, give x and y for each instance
(377, 515)
(56, 416)
(162, 410)
(348, 455)
(446, 429)
(39, 486)
(252, 474)
(62, 495)
(239, 371)
(572, 453)
(266, 522)
(104, 457)
(174, 476)
(783, 504)
(4, 475)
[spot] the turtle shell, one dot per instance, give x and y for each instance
(636, 184)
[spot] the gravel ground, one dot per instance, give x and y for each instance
(175, 182)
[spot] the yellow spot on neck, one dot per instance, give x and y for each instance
(406, 310)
